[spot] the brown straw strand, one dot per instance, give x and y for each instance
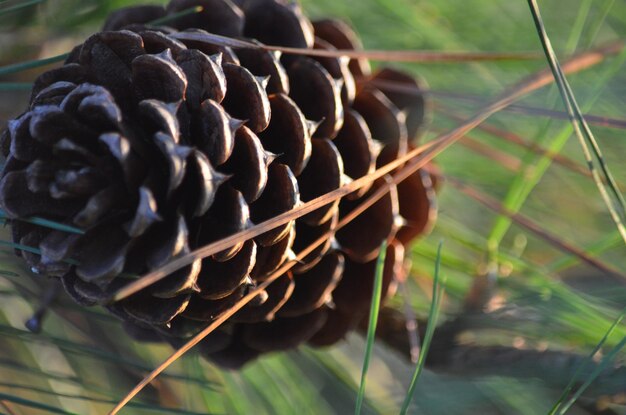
(382, 55)
(426, 153)
(542, 78)
(530, 225)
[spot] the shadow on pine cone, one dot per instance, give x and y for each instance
(155, 147)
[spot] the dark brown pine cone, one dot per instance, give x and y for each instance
(154, 146)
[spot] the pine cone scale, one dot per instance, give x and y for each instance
(155, 146)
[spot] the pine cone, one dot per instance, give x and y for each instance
(155, 146)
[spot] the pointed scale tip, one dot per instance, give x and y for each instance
(183, 151)
(291, 256)
(263, 80)
(313, 125)
(173, 107)
(217, 58)
(235, 124)
(218, 178)
(166, 55)
(269, 157)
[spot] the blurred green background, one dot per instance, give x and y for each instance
(541, 298)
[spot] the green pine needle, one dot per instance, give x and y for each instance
(20, 6)
(102, 356)
(15, 86)
(36, 63)
(144, 406)
(33, 404)
(438, 289)
(46, 223)
(171, 17)
(598, 370)
(612, 196)
(373, 320)
(579, 318)
(21, 247)
(31, 249)
(559, 407)
(22, 66)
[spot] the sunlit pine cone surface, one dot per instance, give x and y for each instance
(154, 146)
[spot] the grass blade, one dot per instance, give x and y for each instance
(612, 197)
(383, 55)
(438, 288)
(36, 63)
(613, 48)
(603, 364)
(371, 326)
(20, 6)
(10, 410)
(22, 66)
(536, 167)
(138, 405)
(531, 226)
(46, 223)
(558, 408)
(33, 404)
(30, 249)
(528, 145)
(425, 153)
(410, 323)
(21, 247)
(92, 352)
(526, 86)
(15, 86)
(178, 15)
(598, 120)
(613, 240)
